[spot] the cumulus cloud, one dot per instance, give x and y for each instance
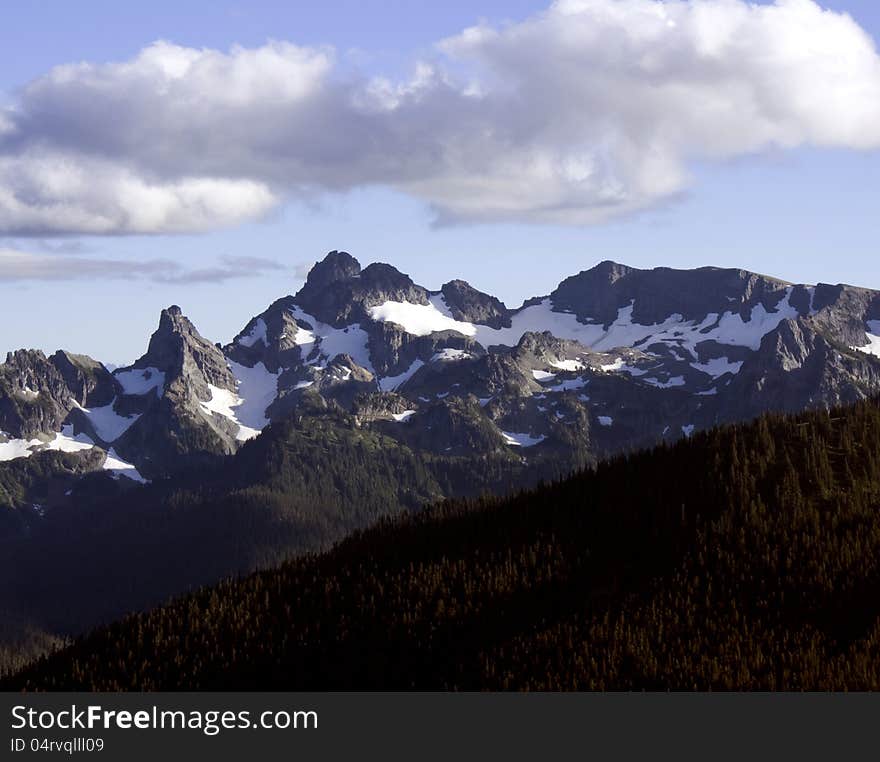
(588, 110)
(28, 266)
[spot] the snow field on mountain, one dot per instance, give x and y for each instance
(390, 383)
(451, 355)
(108, 424)
(421, 319)
(119, 467)
(568, 365)
(873, 345)
(257, 333)
(351, 340)
(141, 380)
(543, 375)
(257, 389)
(516, 439)
(729, 328)
(718, 367)
(67, 441)
(17, 448)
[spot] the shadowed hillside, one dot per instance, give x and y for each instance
(744, 558)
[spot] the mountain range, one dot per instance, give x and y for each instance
(366, 396)
(615, 358)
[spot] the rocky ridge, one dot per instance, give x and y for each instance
(614, 358)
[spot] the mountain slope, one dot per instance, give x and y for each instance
(305, 483)
(422, 394)
(745, 558)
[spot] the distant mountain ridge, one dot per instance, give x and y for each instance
(613, 359)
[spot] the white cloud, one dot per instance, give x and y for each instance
(45, 192)
(591, 109)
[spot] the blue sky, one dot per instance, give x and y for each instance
(806, 213)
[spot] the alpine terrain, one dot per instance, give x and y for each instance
(614, 358)
(365, 395)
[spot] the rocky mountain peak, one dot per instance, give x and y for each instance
(339, 293)
(470, 305)
(179, 351)
(34, 397)
(336, 266)
(386, 280)
(611, 271)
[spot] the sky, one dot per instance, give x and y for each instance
(206, 153)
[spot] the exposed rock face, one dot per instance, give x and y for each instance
(37, 394)
(190, 363)
(33, 395)
(89, 382)
(393, 350)
(841, 312)
(174, 423)
(273, 338)
(600, 293)
(468, 304)
(796, 368)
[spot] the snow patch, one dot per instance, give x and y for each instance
(516, 439)
(605, 420)
(17, 448)
(670, 384)
(615, 366)
(421, 319)
(404, 416)
(107, 423)
(257, 333)
(873, 345)
(567, 385)
(257, 388)
(718, 367)
(675, 331)
(351, 340)
(63, 441)
(139, 381)
(390, 383)
(543, 375)
(66, 441)
(569, 365)
(451, 355)
(119, 467)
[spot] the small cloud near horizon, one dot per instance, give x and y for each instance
(16, 266)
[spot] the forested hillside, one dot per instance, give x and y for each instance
(304, 484)
(744, 558)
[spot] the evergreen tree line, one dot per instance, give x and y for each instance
(744, 558)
